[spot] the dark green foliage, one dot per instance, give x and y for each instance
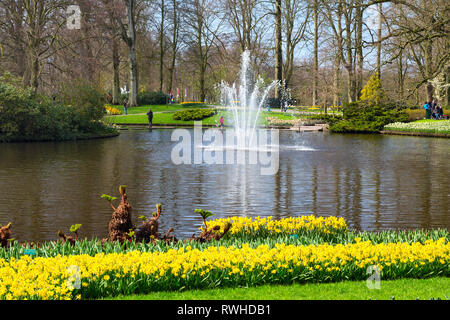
(26, 116)
(276, 102)
(194, 104)
(362, 117)
(87, 101)
(194, 114)
(151, 98)
(328, 118)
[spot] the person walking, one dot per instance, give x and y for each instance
(222, 122)
(125, 106)
(150, 119)
(427, 107)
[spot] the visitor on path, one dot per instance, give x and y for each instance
(436, 113)
(150, 119)
(441, 113)
(222, 122)
(427, 107)
(434, 105)
(125, 106)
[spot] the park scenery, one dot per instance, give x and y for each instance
(224, 150)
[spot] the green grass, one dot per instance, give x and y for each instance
(135, 116)
(157, 108)
(403, 289)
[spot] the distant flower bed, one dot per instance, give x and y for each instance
(268, 226)
(280, 122)
(112, 111)
(426, 126)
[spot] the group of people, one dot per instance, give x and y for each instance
(433, 110)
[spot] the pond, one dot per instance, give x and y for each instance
(375, 182)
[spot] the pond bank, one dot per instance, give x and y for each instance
(81, 137)
(416, 134)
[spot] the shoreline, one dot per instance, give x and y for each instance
(415, 134)
(79, 138)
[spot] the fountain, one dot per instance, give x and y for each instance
(245, 104)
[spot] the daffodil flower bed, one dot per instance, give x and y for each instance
(267, 226)
(138, 272)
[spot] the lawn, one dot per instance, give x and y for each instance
(162, 116)
(155, 108)
(403, 289)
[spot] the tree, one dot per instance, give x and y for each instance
(129, 37)
(203, 25)
(174, 45)
(43, 23)
(278, 46)
(315, 97)
(294, 32)
(161, 44)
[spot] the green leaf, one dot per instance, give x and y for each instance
(75, 228)
(108, 198)
(205, 214)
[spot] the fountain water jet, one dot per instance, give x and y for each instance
(246, 104)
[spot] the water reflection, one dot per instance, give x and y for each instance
(374, 182)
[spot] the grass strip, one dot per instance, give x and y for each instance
(403, 289)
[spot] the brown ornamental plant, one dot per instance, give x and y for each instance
(120, 225)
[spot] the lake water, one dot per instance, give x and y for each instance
(375, 182)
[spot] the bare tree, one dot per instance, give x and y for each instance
(296, 14)
(278, 46)
(129, 37)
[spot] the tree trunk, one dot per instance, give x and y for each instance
(161, 48)
(174, 45)
(129, 36)
(336, 79)
(278, 48)
(116, 65)
(429, 68)
(380, 8)
(315, 99)
(400, 77)
(359, 50)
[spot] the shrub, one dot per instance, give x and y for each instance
(85, 99)
(276, 102)
(26, 116)
(373, 92)
(364, 117)
(151, 98)
(194, 114)
(328, 118)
